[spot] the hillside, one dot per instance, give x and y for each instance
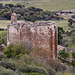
(51, 5)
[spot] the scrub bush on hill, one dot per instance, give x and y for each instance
(34, 74)
(3, 37)
(2, 56)
(4, 71)
(73, 54)
(73, 37)
(52, 71)
(4, 10)
(73, 16)
(63, 54)
(9, 5)
(33, 14)
(8, 64)
(7, 15)
(19, 5)
(17, 49)
(1, 5)
(60, 37)
(29, 69)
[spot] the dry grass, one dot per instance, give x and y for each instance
(4, 23)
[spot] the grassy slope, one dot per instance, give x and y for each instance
(52, 5)
(4, 23)
(63, 23)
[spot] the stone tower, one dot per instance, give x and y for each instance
(41, 34)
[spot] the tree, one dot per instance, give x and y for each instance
(63, 54)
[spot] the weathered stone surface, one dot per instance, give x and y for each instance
(13, 18)
(38, 34)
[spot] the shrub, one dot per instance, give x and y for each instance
(72, 35)
(52, 71)
(4, 10)
(19, 5)
(60, 67)
(73, 63)
(60, 32)
(73, 16)
(7, 15)
(31, 13)
(35, 9)
(9, 64)
(1, 5)
(63, 54)
(34, 74)
(29, 68)
(20, 11)
(2, 56)
(73, 54)
(10, 5)
(3, 37)
(48, 13)
(4, 71)
(14, 50)
(43, 16)
(9, 51)
(30, 18)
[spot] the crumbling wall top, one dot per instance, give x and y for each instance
(44, 23)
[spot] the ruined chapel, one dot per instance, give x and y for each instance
(41, 34)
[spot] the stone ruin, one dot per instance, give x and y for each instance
(37, 34)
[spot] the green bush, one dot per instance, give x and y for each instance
(73, 37)
(49, 13)
(19, 5)
(73, 63)
(4, 10)
(52, 71)
(34, 74)
(73, 54)
(9, 64)
(2, 56)
(10, 5)
(3, 37)
(60, 32)
(1, 5)
(7, 15)
(29, 68)
(59, 73)
(60, 67)
(4, 71)
(63, 54)
(17, 49)
(73, 16)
